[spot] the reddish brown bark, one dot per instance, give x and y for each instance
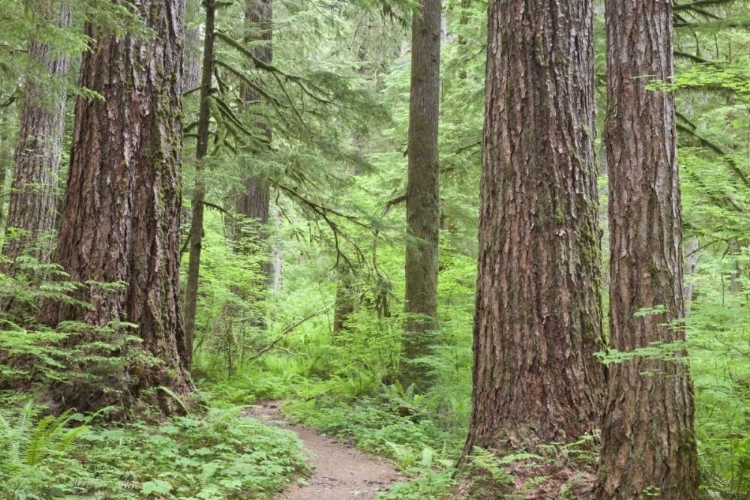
(120, 221)
(538, 316)
(648, 436)
(32, 207)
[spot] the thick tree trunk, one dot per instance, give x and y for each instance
(120, 221)
(422, 195)
(538, 318)
(254, 201)
(32, 208)
(199, 193)
(648, 436)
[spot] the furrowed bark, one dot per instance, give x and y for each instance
(32, 206)
(648, 435)
(538, 320)
(120, 220)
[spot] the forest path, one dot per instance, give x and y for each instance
(341, 472)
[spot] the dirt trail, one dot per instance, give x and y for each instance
(341, 472)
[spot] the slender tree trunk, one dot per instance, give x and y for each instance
(192, 70)
(120, 221)
(422, 195)
(6, 160)
(538, 318)
(277, 259)
(346, 280)
(199, 194)
(32, 209)
(254, 201)
(735, 283)
(345, 299)
(691, 265)
(648, 436)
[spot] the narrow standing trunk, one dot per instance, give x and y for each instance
(648, 436)
(735, 282)
(191, 74)
(32, 208)
(254, 201)
(6, 160)
(120, 221)
(199, 194)
(538, 318)
(691, 265)
(422, 195)
(345, 304)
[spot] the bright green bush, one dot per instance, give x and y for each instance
(222, 455)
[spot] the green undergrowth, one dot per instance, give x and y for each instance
(390, 426)
(220, 454)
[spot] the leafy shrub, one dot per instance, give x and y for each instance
(221, 456)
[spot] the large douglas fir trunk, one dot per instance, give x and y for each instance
(648, 435)
(120, 221)
(538, 320)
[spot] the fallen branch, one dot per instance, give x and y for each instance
(284, 333)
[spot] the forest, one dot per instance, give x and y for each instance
(377, 249)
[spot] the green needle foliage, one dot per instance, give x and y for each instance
(325, 333)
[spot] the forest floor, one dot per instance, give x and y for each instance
(341, 472)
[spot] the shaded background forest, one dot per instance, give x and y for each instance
(301, 287)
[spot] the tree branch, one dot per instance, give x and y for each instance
(219, 208)
(283, 334)
(719, 151)
(393, 202)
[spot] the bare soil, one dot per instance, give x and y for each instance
(341, 472)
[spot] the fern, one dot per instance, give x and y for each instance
(485, 461)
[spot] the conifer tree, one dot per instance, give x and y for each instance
(254, 201)
(120, 218)
(32, 207)
(538, 321)
(648, 434)
(422, 194)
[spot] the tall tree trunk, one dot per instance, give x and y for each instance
(32, 209)
(120, 221)
(199, 193)
(347, 288)
(345, 304)
(735, 282)
(648, 436)
(6, 160)
(422, 195)
(254, 201)
(192, 67)
(538, 318)
(691, 265)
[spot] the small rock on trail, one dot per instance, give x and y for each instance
(341, 472)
